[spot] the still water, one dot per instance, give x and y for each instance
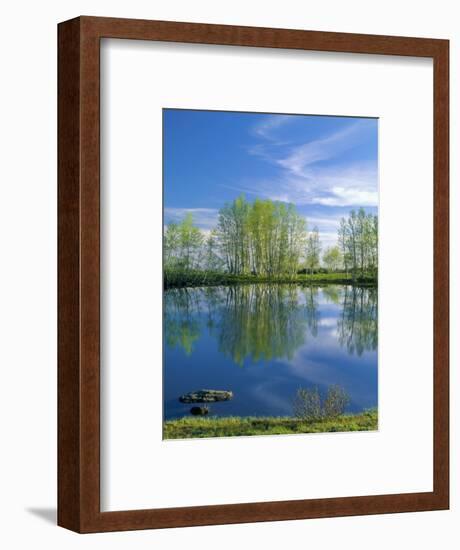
(263, 342)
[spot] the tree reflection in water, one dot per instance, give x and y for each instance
(358, 324)
(263, 321)
(181, 320)
(332, 293)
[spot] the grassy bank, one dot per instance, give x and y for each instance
(178, 279)
(188, 427)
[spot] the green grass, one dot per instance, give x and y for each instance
(188, 427)
(178, 279)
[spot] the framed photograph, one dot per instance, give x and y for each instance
(270, 264)
(253, 274)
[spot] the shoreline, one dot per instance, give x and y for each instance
(203, 427)
(198, 279)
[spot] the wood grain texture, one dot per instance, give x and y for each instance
(68, 275)
(79, 274)
(441, 275)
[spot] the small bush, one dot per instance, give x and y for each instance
(309, 406)
(336, 401)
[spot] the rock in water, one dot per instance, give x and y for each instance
(206, 396)
(199, 411)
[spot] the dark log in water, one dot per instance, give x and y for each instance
(206, 396)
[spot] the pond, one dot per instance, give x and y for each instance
(263, 342)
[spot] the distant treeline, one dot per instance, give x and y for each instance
(267, 239)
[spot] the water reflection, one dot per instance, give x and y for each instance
(264, 322)
(357, 325)
(182, 326)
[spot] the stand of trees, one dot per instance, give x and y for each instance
(183, 244)
(332, 258)
(358, 240)
(270, 239)
(263, 238)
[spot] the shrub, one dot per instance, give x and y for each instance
(309, 406)
(336, 401)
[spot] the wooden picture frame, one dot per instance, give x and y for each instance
(79, 274)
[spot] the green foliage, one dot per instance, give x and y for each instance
(193, 427)
(332, 258)
(309, 406)
(180, 322)
(180, 278)
(269, 241)
(183, 245)
(358, 240)
(263, 238)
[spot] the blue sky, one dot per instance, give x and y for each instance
(324, 165)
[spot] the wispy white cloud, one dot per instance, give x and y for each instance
(304, 178)
(317, 176)
(352, 185)
(304, 155)
(341, 196)
(345, 185)
(204, 218)
(244, 189)
(270, 124)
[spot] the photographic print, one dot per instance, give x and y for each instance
(270, 272)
